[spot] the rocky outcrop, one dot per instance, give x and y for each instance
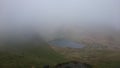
(71, 64)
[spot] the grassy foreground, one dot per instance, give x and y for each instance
(98, 58)
(28, 54)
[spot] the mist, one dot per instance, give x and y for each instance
(53, 18)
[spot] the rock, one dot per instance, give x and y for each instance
(46, 66)
(73, 64)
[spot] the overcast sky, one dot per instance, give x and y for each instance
(50, 14)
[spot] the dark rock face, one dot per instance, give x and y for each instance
(46, 66)
(73, 64)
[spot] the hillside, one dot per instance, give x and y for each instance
(102, 47)
(27, 52)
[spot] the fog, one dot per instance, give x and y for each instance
(51, 17)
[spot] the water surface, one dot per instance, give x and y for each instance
(67, 43)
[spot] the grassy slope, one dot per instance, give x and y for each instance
(28, 54)
(97, 58)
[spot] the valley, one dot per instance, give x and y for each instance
(99, 55)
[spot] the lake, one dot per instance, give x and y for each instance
(67, 43)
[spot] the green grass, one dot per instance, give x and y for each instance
(97, 58)
(26, 55)
(109, 64)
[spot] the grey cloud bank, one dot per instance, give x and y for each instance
(47, 16)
